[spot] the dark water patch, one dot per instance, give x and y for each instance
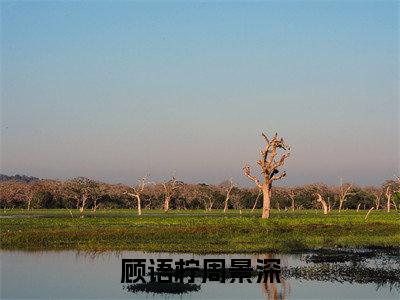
(163, 288)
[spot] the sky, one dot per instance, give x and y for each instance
(118, 90)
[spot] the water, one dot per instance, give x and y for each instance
(82, 275)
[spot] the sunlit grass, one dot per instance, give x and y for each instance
(197, 231)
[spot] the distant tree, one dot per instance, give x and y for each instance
(227, 186)
(391, 187)
(269, 169)
(14, 193)
(138, 191)
(323, 203)
(343, 193)
(81, 190)
(170, 188)
(376, 194)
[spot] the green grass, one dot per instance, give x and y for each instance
(197, 231)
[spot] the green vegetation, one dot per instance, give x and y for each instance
(197, 231)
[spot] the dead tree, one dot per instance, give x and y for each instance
(324, 205)
(343, 193)
(269, 169)
(138, 191)
(228, 194)
(170, 188)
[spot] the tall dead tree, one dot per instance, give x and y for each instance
(170, 188)
(269, 169)
(138, 191)
(344, 191)
(324, 205)
(228, 194)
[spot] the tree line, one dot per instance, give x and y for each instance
(84, 193)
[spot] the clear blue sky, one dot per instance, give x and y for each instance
(117, 90)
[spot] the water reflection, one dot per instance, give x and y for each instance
(328, 274)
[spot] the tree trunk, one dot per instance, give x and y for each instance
(226, 205)
(324, 205)
(139, 206)
(166, 204)
(266, 202)
(358, 206)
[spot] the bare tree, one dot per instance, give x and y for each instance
(138, 191)
(228, 190)
(344, 191)
(170, 188)
(269, 169)
(377, 194)
(82, 190)
(324, 205)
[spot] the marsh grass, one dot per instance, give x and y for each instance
(197, 231)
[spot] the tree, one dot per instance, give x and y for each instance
(137, 192)
(269, 169)
(228, 186)
(82, 190)
(13, 193)
(324, 205)
(170, 188)
(292, 196)
(376, 193)
(391, 189)
(344, 191)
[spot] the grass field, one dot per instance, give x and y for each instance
(197, 231)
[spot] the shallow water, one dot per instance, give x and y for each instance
(81, 275)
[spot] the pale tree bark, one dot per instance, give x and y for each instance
(388, 197)
(343, 193)
(255, 202)
(228, 195)
(138, 191)
(378, 196)
(358, 207)
(369, 211)
(324, 205)
(208, 204)
(83, 203)
(170, 188)
(269, 169)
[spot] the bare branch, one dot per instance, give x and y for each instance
(246, 172)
